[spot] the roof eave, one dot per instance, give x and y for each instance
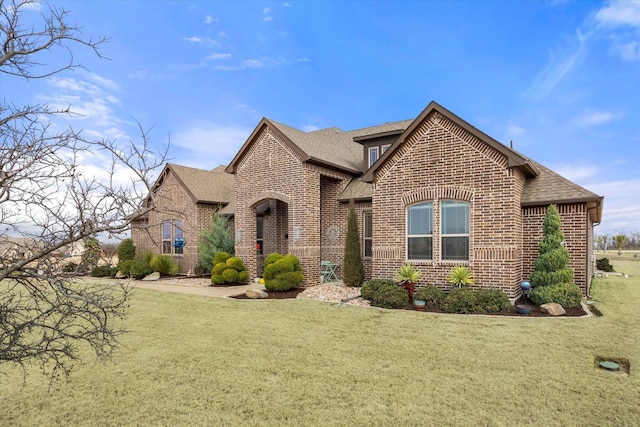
(320, 162)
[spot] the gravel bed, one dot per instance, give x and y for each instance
(334, 292)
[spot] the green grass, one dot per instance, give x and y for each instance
(205, 361)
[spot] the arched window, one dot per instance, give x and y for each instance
(420, 232)
(454, 230)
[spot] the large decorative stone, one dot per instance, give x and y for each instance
(120, 275)
(553, 309)
(254, 293)
(152, 277)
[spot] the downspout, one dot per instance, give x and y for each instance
(587, 238)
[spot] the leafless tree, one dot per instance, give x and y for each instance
(47, 203)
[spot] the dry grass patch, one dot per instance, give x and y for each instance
(204, 361)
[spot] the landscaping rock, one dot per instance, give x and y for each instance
(553, 309)
(152, 277)
(119, 275)
(254, 293)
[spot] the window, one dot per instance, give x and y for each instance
(420, 231)
(373, 155)
(454, 219)
(385, 148)
(172, 231)
(367, 221)
(178, 237)
(166, 237)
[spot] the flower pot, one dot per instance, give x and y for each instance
(419, 305)
(523, 309)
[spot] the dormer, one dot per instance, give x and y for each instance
(375, 145)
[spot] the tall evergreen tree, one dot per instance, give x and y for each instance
(353, 270)
(217, 239)
(551, 265)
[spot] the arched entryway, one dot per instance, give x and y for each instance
(272, 230)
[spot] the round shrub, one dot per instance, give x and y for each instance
(490, 301)
(460, 300)
(431, 295)
(230, 275)
(231, 270)
(568, 295)
(282, 273)
(235, 263)
(370, 287)
(221, 257)
(384, 293)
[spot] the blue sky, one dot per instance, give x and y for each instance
(561, 79)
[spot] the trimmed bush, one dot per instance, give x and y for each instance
(126, 250)
(282, 273)
(164, 264)
(352, 267)
(431, 295)
(603, 264)
(568, 295)
(370, 287)
(384, 293)
(550, 267)
(491, 301)
(460, 300)
(104, 271)
(231, 270)
(221, 257)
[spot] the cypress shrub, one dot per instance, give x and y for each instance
(126, 250)
(353, 269)
(568, 295)
(228, 270)
(551, 265)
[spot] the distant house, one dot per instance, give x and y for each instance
(185, 200)
(434, 191)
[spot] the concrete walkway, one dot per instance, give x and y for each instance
(206, 291)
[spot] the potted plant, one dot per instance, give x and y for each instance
(460, 276)
(419, 304)
(407, 276)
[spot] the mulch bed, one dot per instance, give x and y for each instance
(535, 310)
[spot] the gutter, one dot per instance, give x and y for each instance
(587, 239)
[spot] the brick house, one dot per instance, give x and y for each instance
(434, 191)
(185, 200)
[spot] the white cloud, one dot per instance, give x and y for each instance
(559, 66)
(621, 205)
(267, 19)
(210, 19)
(253, 63)
(577, 173)
(309, 128)
(216, 56)
(193, 39)
(620, 13)
(516, 131)
(594, 118)
(629, 51)
(220, 142)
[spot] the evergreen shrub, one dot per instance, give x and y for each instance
(384, 293)
(282, 273)
(352, 267)
(603, 264)
(228, 270)
(104, 271)
(431, 295)
(126, 250)
(568, 295)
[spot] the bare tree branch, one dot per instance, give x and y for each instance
(48, 202)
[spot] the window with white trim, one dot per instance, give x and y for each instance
(454, 230)
(420, 232)
(166, 237)
(373, 155)
(367, 225)
(385, 148)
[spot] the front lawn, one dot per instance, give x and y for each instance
(193, 360)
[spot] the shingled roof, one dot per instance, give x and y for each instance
(203, 186)
(330, 147)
